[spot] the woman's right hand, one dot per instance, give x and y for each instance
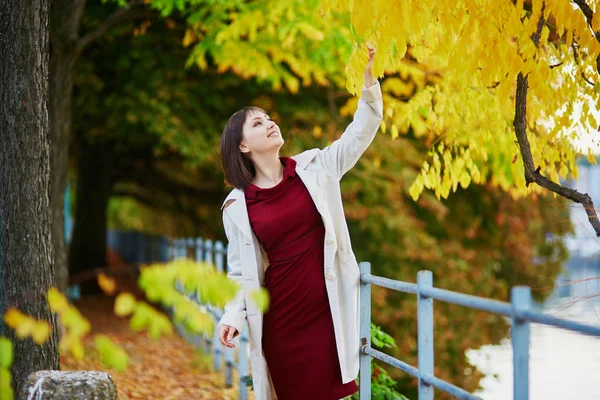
(226, 334)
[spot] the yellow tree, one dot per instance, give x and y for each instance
(491, 80)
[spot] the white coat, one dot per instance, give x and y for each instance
(320, 171)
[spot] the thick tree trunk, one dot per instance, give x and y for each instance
(94, 180)
(65, 19)
(26, 253)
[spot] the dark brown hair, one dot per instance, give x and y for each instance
(238, 168)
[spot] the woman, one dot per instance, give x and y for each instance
(287, 232)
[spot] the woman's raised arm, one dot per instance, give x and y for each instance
(344, 153)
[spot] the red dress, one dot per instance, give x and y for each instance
(298, 338)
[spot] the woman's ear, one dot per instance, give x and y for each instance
(244, 148)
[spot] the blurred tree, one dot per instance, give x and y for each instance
(148, 128)
(67, 43)
(218, 24)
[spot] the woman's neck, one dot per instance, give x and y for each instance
(269, 171)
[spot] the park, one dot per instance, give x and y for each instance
(467, 134)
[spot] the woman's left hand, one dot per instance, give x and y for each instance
(369, 78)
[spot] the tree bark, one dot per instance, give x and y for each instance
(94, 181)
(65, 19)
(26, 252)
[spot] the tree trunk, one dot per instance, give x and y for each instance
(65, 19)
(94, 180)
(26, 253)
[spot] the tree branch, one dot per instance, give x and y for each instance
(589, 15)
(533, 175)
(556, 65)
(135, 9)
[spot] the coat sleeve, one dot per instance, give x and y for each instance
(235, 310)
(343, 154)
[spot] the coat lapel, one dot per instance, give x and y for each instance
(238, 211)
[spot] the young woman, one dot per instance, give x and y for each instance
(287, 232)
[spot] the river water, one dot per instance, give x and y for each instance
(563, 364)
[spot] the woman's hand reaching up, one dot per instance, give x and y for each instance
(369, 78)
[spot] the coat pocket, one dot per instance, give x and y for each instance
(348, 262)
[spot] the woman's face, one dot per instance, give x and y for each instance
(260, 135)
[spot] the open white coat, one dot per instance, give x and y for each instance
(320, 171)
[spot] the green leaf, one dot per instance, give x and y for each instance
(261, 298)
(124, 304)
(6, 392)
(160, 325)
(6, 352)
(112, 354)
(415, 191)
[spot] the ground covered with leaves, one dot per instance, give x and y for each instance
(167, 368)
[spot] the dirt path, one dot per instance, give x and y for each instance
(168, 368)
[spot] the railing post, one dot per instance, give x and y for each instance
(199, 249)
(171, 249)
(425, 334)
(219, 255)
(189, 243)
(216, 351)
(229, 365)
(182, 249)
(208, 256)
(521, 301)
(365, 334)
(242, 365)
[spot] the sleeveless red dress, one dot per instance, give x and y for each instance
(298, 338)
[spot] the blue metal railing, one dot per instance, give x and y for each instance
(519, 310)
(214, 254)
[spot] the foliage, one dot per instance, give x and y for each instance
(159, 285)
(26, 326)
(382, 385)
(381, 339)
(112, 355)
(74, 324)
(286, 44)
(473, 51)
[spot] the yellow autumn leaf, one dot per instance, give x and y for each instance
(125, 304)
(415, 191)
(41, 332)
(57, 301)
(189, 37)
(13, 317)
(394, 132)
(317, 131)
(310, 31)
(22, 324)
(107, 284)
(465, 179)
(383, 127)
(77, 349)
(591, 159)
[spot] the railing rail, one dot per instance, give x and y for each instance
(519, 310)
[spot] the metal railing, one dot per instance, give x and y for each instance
(519, 310)
(214, 254)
